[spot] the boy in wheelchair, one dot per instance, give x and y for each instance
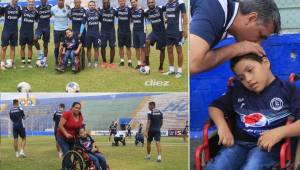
(139, 137)
(259, 103)
(70, 50)
(86, 142)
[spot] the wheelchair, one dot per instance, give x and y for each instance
(209, 147)
(139, 138)
(79, 61)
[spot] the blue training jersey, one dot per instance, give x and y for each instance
(17, 116)
(44, 15)
(28, 19)
(174, 11)
(138, 19)
(156, 18)
(92, 21)
(77, 16)
(123, 15)
(211, 19)
(107, 19)
(255, 113)
(11, 15)
(156, 117)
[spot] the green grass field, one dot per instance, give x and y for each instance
(42, 155)
(122, 79)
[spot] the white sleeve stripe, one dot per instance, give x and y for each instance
(224, 3)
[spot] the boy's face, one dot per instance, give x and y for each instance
(254, 76)
(69, 33)
(82, 133)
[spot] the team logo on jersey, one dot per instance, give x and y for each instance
(255, 120)
(276, 103)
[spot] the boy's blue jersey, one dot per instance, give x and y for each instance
(174, 10)
(77, 16)
(44, 15)
(138, 19)
(71, 43)
(156, 18)
(28, 19)
(107, 19)
(156, 118)
(123, 15)
(92, 21)
(85, 143)
(11, 15)
(17, 115)
(255, 113)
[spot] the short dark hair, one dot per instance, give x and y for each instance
(15, 101)
(69, 29)
(75, 103)
(250, 56)
(92, 1)
(62, 105)
(152, 103)
(267, 11)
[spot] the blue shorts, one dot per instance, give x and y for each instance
(19, 132)
(9, 38)
(93, 39)
(153, 134)
(139, 39)
(59, 36)
(42, 32)
(174, 39)
(124, 39)
(26, 38)
(160, 40)
(108, 37)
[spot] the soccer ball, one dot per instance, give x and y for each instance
(72, 87)
(40, 63)
(24, 87)
(8, 63)
(145, 70)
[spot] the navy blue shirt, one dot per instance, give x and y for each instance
(174, 10)
(17, 116)
(138, 19)
(11, 14)
(211, 19)
(44, 15)
(85, 143)
(92, 21)
(124, 15)
(156, 18)
(108, 19)
(156, 118)
(71, 43)
(28, 18)
(77, 16)
(56, 118)
(255, 113)
(140, 129)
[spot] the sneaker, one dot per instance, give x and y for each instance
(89, 64)
(169, 73)
(148, 157)
(2, 66)
(130, 65)
(112, 65)
(178, 75)
(60, 69)
(104, 65)
(158, 158)
(22, 154)
(161, 70)
(60, 154)
(73, 68)
(121, 64)
(23, 65)
(29, 65)
(95, 65)
(138, 67)
(17, 154)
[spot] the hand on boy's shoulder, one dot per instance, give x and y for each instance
(269, 138)
(225, 136)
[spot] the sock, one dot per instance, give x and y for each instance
(139, 62)
(40, 51)
(122, 60)
(21, 151)
(159, 157)
(23, 61)
(171, 68)
(179, 70)
(129, 61)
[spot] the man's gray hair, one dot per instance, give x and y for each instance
(266, 9)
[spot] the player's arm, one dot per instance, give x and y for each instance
(184, 20)
(61, 124)
(78, 48)
(22, 115)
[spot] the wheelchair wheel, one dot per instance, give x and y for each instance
(73, 161)
(82, 59)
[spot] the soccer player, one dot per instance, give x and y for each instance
(176, 33)
(158, 34)
(77, 16)
(112, 130)
(123, 14)
(29, 15)
(185, 131)
(154, 124)
(56, 118)
(43, 28)
(17, 116)
(61, 14)
(92, 33)
(128, 130)
(139, 34)
(108, 33)
(11, 13)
